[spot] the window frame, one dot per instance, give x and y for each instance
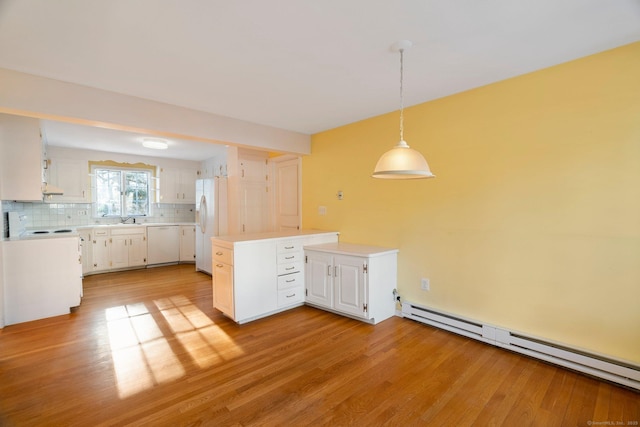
(123, 197)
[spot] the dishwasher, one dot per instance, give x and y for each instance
(163, 244)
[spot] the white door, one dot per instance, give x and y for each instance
(318, 278)
(287, 197)
(253, 207)
(349, 285)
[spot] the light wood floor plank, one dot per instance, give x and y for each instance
(147, 348)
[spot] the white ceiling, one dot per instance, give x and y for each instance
(302, 65)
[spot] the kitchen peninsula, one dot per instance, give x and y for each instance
(255, 275)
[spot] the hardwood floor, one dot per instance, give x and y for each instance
(147, 348)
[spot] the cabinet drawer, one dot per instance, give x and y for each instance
(100, 232)
(292, 267)
(222, 255)
(288, 257)
(289, 246)
(290, 280)
(290, 296)
(127, 230)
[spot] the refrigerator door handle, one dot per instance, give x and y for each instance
(203, 214)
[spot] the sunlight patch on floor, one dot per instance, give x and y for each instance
(206, 342)
(141, 355)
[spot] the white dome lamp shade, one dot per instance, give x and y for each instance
(402, 161)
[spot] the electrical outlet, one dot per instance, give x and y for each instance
(424, 284)
(322, 210)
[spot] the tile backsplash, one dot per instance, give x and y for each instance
(47, 215)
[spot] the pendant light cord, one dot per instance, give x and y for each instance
(401, 95)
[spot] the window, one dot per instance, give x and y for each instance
(121, 192)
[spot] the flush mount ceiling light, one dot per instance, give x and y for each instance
(402, 162)
(155, 143)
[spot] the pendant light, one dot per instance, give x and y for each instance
(402, 162)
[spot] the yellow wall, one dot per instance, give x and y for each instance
(533, 220)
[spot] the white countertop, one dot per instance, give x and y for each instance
(250, 237)
(351, 249)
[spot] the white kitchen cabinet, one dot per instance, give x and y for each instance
(21, 160)
(187, 243)
(261, 274)
(128, 247)
(101, 250)
(290, 262)
(222, 280)
(118, 247)
(354, 280)
(178, 185)
(87, 249)
(43, 278)
(248, 204)
(72, 176)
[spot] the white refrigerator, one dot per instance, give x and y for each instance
(211, 218)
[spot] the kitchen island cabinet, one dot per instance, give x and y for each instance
(354, 280)
(43, 277)
(256, 275)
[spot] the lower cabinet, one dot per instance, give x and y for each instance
(355, 280)
(222, 280)
(258, 277)
(117, 248)
(187, 243)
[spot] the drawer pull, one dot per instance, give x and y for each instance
(218, 253)
(289, 268)
(289, 247)
(219, 265)
(289, 257)
(290, 281)
(291, 296)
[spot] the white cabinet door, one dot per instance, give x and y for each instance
(187, 182)
(287, 197)
(72, 177)
(253, 212)
(178, 185)
(349, 285)
(87, 249)
(137, 250)
(223, 288)
(101, 253)
(188, 243)
(120, 251)
(318, 278)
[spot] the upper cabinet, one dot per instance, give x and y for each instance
(178, 185)
(247, 195)
(21, 160)
(72, 176)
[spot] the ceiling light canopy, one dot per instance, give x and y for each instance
(155, 143)
(402, 162)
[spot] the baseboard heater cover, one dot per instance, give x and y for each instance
(620, 372)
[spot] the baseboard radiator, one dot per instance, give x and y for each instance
(616, 371)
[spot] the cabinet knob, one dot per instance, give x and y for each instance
(219, 265)
(218, 253)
